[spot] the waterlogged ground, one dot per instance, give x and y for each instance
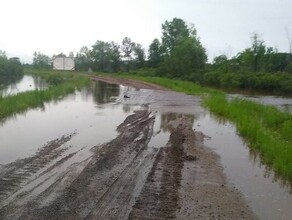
(23, 84)
(282, 103)
(131, 152)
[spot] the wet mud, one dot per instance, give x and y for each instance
(125, 178)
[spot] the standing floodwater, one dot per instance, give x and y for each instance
(268, 195)
(282, 103)
(117, 152)
(23, 84)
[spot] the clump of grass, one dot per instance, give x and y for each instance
(23, 101)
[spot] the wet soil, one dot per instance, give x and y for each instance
(125, 178)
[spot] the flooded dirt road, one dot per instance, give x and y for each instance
(115, 152)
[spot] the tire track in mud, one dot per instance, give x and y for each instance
(159, 197)
(127, 179)
(14, 175)
(108, 180)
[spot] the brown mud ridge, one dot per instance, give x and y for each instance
(127, 179)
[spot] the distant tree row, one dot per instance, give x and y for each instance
(111, 57)
(178, 54)
(258, 67)
(9, 67)
(257, 58)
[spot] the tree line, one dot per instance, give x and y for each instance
(9, 67)
(257, 67)
(180, 54)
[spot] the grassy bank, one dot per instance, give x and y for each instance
(264, 128)
(61, 84)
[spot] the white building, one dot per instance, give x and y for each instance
(63, 63)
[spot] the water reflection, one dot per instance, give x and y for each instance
(268, 171)
(104, 92)
(166, 118)
(23, 84)
(282, 103)
(6, 82)
(255, 158)
(267, 193)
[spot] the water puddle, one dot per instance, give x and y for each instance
(282, 103)
(269, 197)
(84, 112)
(26, 83)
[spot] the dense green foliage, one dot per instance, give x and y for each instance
(111, 57)
(61, 84)
(258, 67)
(10, 70)
(9, 67)
(179, 54)
(265, 128)
(182, 54)
(41, 61)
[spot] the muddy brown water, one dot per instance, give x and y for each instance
(90, 117)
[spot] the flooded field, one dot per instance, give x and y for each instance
(282, 103)
(26, 83)
(118, 152)
(268, 195)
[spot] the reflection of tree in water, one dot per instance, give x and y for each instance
(168, 117)
(269, 172)
(127, 108)
(9, 82)
(39, 82)
(104, 91)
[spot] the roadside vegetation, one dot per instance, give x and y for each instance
(60, 85)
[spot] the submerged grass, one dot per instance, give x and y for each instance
(61, 84)
(264, 128)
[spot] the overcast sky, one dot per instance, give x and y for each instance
(55, 26)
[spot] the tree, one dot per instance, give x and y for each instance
(172, 33)
(258, 49)
(183, 54)
(139, 56)
(41, 61)
(11, 68)
(115, 56)
(187, 58)
(127, 48)
(252, 59)
(100, 54)
(155, 56)
(105, 56)
(83, 59)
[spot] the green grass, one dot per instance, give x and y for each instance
(61, 85)
(176, 85)
(264, 128)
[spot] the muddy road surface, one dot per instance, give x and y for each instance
(139, 174)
